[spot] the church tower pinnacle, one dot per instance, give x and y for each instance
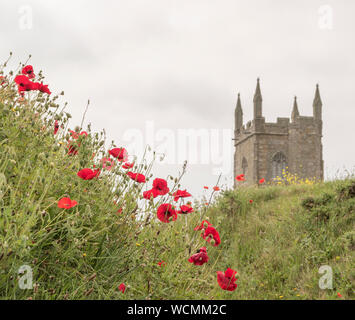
(238, 114)
(317, 105)
(257, 101)
(295, 112)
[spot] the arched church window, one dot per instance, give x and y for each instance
(278, 164)
(244, 166)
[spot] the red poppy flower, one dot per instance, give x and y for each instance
(28, 71)
(204, 224)
(185, 209)
(138, 177)
(119, 153)
(205, 187)
(75, 135)
(56, 127)
(24, 84)
(3, 81)
(107, 163)
(339, 295)
(216, 188)
(66, 203)
(240, 177)
(72, 149)
(261, 181)
(166, 213)
(88, 174)
(42, 87)
(181, 194)
(199, 258)
(227, 279)
(251, 201)
(162, 263)
(211, 235)
(122, 287)
(161, 186)
(150, 193)
(127, 165)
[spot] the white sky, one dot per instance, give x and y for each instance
(181, 63)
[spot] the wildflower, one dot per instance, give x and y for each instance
(122, 287)
(211, 235)
(216, 188)
(28, 71)
(261, 181)
(76, 135)
(337, 258)
(88, 174)
(227, 279)
(56, 127)
(251, 201)
(138, 244)
(72, 150)
(160, 186)
(3, 81)
(127, 165)
(184, 209)
(204, 224)
(41, 87)
(162, 263)
(84, 255)
(181, 194)
(138, 177)
(150, 193)
(339, 295)
(281, 297)
(119, 153)
(107, 163)
(240, 177)
(199, 258)
(166, 213)
(205, 187)
(23, 83)
(66, 203)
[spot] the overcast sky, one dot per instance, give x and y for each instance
(180, 65)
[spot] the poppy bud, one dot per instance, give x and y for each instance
(212, 242)
(101, 143)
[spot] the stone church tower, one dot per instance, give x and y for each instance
(264, 149)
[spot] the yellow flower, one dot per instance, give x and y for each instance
(337, 258)
(84, 254)
(138, 244)
(281, 297)
(298, 295)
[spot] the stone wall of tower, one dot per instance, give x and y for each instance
(245, 149)
(305, 148)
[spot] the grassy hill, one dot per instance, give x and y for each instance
(277, 243)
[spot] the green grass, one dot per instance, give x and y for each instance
(276, 244)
